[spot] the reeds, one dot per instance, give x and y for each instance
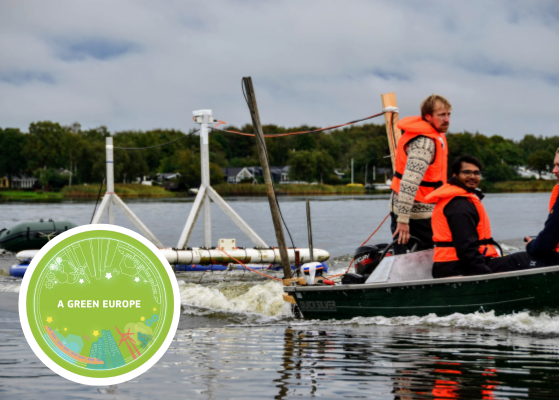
(122, 189)
(523, 186)
(246, 189)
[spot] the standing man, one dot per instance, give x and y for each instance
(462, 233)
(544, 248)
(420, 168)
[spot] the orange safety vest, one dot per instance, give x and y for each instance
(553, 199)
(443, 240)
(436, 174)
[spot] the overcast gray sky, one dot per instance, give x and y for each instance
(146, 64)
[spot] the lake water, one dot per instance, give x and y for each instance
(237, 338)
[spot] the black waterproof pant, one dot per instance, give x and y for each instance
(519, 261)
(420, 228)
(511, 262)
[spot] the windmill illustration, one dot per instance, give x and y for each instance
(126, 337)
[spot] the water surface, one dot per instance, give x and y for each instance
(237, 338)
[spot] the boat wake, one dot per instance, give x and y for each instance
(249, 304)
(261, 301)
(542, 324)
(10, 287)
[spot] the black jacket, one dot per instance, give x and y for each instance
(547, 240)
(462, 218)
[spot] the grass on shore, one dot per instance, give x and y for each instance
(8, 195)
(523, 186)
(246, 189)
(131, 190)
(122, 189)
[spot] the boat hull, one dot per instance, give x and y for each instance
(534, 290)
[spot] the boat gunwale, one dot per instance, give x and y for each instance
(430, 282)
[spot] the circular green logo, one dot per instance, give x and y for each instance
(99, 305)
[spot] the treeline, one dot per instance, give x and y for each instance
(49, 147)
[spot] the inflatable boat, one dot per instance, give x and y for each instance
(32, 235)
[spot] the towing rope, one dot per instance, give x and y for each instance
(296, 133)
(250, 269)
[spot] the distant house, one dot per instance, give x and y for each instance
(23, 182)
(386, 172)
(169, 181)
(529, 173)
(168, 176)
(143, 180)
(4, 182)
(237, 174)
(64, 172)
(280, 174)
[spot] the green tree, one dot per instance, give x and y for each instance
(90, 166)
(12, 159)
(188, 163)
(540, 160)
(302, 166)
(324, 167)
(499, 173)
(47, 145)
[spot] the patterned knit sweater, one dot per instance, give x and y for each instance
(420, 152)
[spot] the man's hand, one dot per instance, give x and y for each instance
(403, 230)
(528, 240)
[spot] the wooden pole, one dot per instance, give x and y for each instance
(309, 230)
(394, 134)
(261, 147)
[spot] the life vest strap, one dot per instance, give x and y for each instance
(423, 183)
(483, 242)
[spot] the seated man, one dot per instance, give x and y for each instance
(544, 248)
(462, 235)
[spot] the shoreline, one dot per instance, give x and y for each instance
(90, 192)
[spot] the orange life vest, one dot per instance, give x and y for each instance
(443, 240)
(436, 174)
(553, 199)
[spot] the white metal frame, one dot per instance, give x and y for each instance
(207, 193)
(111, 199)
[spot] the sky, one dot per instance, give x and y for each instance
(140, 65)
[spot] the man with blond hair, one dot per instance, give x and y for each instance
(420, 168)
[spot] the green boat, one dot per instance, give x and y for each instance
(32, 235)
(403, 286)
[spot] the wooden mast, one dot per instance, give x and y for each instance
(393, 133)
(261, 147)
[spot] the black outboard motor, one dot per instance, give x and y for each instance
(367, 258)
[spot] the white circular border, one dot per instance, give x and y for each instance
(64, 372)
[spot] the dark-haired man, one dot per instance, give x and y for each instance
(462, 234)
(420, 168)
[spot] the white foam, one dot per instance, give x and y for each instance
(265, 299)
(10, 287)
(543, 324)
